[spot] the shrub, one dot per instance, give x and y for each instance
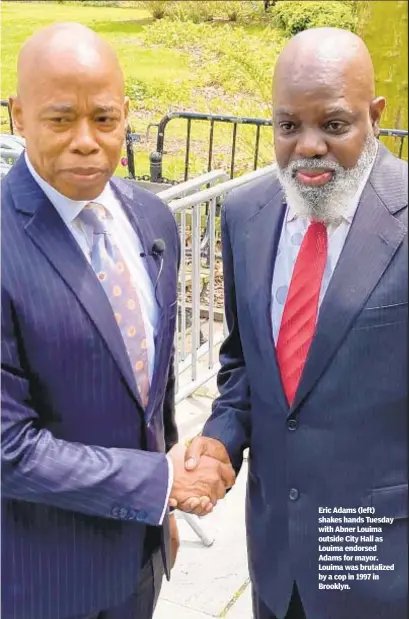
(239, 10)
(201, 11)
(175, 35)
(293, 17)
(157, 8)
(192, 10)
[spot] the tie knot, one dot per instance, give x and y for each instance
(94, 215)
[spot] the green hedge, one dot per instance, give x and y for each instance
(293, 17)
(201, 11)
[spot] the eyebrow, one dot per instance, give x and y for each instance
(328, 112)
(67, 109)
(339, 110)
(64, 108)
(105, 109)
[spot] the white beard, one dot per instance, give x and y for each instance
(330, 202)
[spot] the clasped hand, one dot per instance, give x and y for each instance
(201, 475)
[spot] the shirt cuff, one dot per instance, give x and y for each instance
(170, 484)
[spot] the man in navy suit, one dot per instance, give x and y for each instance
(89, 290)
(313, 371)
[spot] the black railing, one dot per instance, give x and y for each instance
(5, 103)
(399, 134)
(156, 158)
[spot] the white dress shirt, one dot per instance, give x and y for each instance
(292, 234)
(126, 238)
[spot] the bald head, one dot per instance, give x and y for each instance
(64, 48)
(71, 108)
(326, 55)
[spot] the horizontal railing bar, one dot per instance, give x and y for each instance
(398, 133)
(222, 118)
(190, 388)
(201, 352)
(192, 184)
(220, 189)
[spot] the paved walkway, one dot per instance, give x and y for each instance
(213, 581)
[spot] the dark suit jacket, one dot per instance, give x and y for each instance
(343, 441)
(84, 475)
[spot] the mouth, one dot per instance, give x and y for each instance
(84, 175)
(314, 177)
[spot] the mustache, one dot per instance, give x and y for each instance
(314, 163)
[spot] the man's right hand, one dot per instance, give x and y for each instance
(202, 447)
(204, 484)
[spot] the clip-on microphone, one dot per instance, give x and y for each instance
(157, 250)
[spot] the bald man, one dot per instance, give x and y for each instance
(89, 290)
(313, 370)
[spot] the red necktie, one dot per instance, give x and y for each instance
(301, 308)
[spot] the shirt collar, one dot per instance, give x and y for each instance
(353, 204)
(69, 209)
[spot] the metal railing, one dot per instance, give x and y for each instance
(156, 158)
(208, 154)
(5, 103)
(197, 360)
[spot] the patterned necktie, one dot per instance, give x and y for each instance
(113, 273)
(301, 308)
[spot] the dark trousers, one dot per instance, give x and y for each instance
(295, 609)
(142, 603)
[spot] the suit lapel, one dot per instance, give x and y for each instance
(49, 233)
(373, 239)
(262, 238)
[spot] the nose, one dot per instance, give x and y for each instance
(84, 142)
(311, 144)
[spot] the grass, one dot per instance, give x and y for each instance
(160, 77)
(171, 66)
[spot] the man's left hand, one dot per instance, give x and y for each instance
(174, 539)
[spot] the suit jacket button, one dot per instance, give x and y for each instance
(294, 494)
(292, 424)
(142, 516)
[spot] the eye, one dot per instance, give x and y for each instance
(287, 126)
(105, 120)
(335, 126)
(60, 120)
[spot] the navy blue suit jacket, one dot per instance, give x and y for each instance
(84, 474)
(343, 442)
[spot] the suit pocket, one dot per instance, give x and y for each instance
(390, 501)
(382, 316)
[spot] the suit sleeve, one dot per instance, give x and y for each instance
(230, 421)
(36, 466)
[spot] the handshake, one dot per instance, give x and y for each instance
(202, 473)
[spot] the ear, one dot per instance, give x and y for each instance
(126, 108)
(17, 114)
(375, 110)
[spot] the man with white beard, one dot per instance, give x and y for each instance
(313, 370)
